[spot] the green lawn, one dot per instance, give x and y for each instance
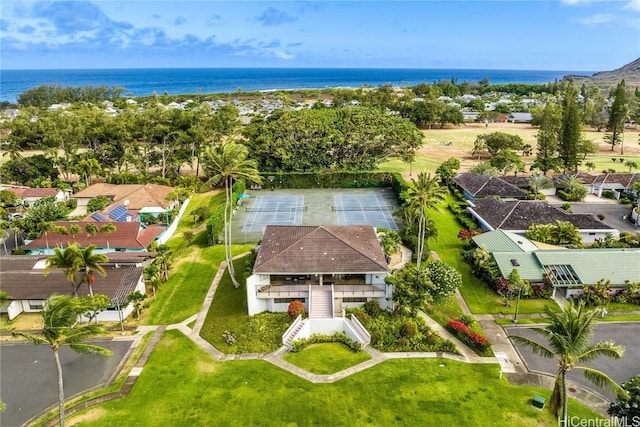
(326, 358)
(195, 266)
(479, 297)
(182, 386)
(261, 333)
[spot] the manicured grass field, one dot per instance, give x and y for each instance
(261, 333)
(326, 358)
(479, 297)
(193, 270)
(182, 386)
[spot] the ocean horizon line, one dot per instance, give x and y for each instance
(585, 72)
(190, 80)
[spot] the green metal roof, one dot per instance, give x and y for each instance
(591, 265)
(504, 241)
(529, 267)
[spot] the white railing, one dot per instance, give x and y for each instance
(164, 237)
(290, 329)
(361, 329)
(333, 301)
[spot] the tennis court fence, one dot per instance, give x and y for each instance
(389, 208)
(277, 209)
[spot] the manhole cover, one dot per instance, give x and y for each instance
(572, 390)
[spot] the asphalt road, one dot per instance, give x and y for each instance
(28, 381)
(627, 334)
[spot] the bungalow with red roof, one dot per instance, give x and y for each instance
(127, 237)
(30, 195)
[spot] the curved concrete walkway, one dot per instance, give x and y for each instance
(506, 355)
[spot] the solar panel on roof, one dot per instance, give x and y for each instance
(98, 217)
(119, 213)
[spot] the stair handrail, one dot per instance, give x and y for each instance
(291, 328)
(361, 329)
(332, 302)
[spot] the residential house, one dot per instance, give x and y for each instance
(596, 184)
(24, 280)
(30, 195)
(132, 196)
(518, 215)
(476, 186)
(127, 237)
(328, 268)
(567, 271)
(520, 117)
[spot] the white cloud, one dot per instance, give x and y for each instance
(599, 19)
(633, 5)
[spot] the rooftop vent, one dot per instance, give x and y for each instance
(515, 262)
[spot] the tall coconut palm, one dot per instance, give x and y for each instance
(66, 259)
(422, 195)
(60, 314)
(89, 264)
(225, 163)
(569, 341)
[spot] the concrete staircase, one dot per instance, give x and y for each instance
(321, 303)
(292, 335)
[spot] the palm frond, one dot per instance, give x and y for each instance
(534, 346)
(602, 380)
(36, 339)
(606, 348)
(91, 349)
(557, 396)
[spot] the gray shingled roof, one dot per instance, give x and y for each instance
(319, 250)
(486, 185)
(33, 284)
(520, 214)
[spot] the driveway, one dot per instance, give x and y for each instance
(627, 334)
(28, 382)
(613, 212)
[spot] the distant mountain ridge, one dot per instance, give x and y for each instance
(629, 72)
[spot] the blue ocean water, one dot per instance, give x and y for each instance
(144, 82)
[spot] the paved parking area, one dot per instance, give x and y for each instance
(627, 334)
(28, 379)
(612, 210)
(613, 214)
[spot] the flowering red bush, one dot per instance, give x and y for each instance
(480, 341)
(458, 327)
(296, 308)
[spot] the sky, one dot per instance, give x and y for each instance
(570, 35)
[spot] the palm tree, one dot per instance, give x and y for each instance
(225, 163)
(568, 336)
(162, 260)
(60, 314)
(539, 182)
(107, 229)
(68, 260)
(424, 194)
(89, 264)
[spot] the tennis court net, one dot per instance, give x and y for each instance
(276, 209)
(388, 208)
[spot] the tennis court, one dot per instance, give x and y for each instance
(366, 209)
(273, 210)
(361, 206)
